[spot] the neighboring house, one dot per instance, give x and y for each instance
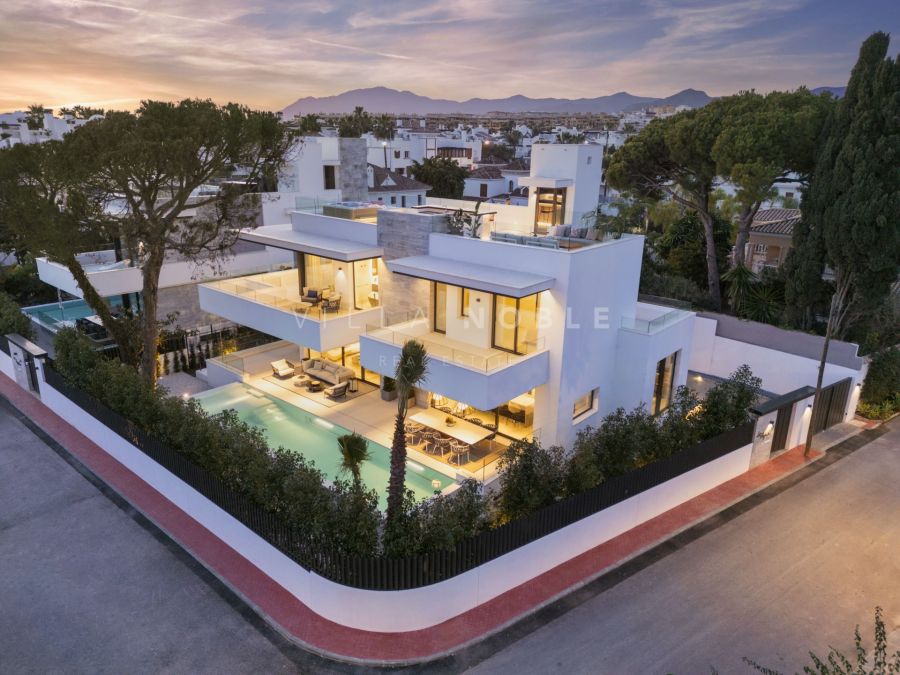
(321, 173)
(394, 189)
(484, 182)
(771, 234)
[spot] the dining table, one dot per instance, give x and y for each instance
(460, 429)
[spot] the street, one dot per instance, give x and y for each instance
(794, 574)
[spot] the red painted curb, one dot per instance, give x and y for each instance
(319, 634)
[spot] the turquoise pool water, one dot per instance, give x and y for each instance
(295, 429)
(51, 314)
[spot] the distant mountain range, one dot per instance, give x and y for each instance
(384, 100)
(837, 92)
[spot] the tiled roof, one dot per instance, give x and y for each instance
(775, 221)
(486, 173)
(772, 215)
(397, 182)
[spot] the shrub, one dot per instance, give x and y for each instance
(531, 477)
(879, 411)
(883, 379)
(727, 404)
(438, 523)
(12, 320)
(280, 481)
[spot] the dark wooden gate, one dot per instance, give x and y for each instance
(830, 405)
(782, 425)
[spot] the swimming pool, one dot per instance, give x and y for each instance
(53, 315)
(295, 429)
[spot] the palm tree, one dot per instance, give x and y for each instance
(34, 117)
(411, 370)
(354, 451)
(740, 280)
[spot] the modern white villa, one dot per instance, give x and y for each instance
(533, 326)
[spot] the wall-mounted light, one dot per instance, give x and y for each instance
(808, 406)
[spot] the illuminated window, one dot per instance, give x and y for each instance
(663, 384)
(465, 297)
(585, 404)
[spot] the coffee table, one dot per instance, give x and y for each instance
(314, 385)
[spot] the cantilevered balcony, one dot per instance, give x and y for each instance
(484, 378)
(272, 303)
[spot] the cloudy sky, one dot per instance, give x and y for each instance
(267, 53)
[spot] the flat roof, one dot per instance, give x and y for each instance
(471, 275)
(546, 182)
(284, 236)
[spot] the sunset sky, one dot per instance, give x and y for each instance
(267, 53)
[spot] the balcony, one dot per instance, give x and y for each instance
(106, 275)
(483, 378)
(271, 303)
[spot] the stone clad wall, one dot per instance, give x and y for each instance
(352, 175)
(402, 233)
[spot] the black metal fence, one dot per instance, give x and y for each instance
(393, 574)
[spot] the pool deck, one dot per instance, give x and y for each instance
(367, 415)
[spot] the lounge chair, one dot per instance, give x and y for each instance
(282, 368)
(337, 391)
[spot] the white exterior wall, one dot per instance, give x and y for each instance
(495, 186)
(400, 611)
(595, 288)
(780, 372)
(303, 174)
(639, 352)
(413, 198)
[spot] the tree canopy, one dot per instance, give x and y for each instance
(135, 178)
(852, 208)
(445, 176)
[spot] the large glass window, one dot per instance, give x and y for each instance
(515, 323)
(440, 307)
(365, 283)
(550, 209)
(663, 384)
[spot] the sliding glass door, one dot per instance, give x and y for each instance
(515, 323)
(550, 209)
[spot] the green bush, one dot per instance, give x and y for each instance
(281, 481)
(883, 379)
(12, 320)
(727, 404)
(531, 477)
(879, 411)
(438, 523)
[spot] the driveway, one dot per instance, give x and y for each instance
(795, 573)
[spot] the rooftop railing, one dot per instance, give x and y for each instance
(440, 348)
(650, 326)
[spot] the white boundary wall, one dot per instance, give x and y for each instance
(399, 611)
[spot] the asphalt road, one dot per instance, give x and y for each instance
(86, 588)
(796, 573)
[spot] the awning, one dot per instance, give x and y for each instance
(471, 275)
(283, 236)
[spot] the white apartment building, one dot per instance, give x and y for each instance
(14, 128)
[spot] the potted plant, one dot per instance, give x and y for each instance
(388, 389)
